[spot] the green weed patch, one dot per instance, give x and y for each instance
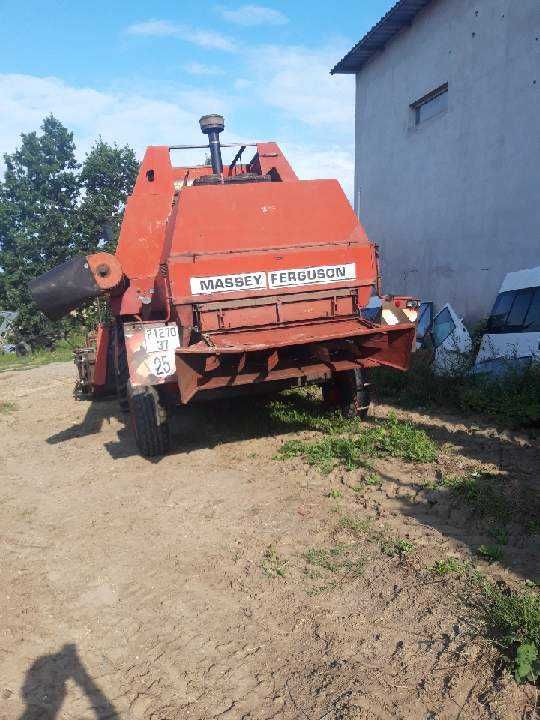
(483, 492)
(396, 546)
(273, 565)
(62, 352)
(449, 565)
(341, 560)
(389, 438)
(511, 620)
(491, 553)
(7, 407)
(356, 525)
(514, 399)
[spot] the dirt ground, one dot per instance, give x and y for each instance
(135, 589)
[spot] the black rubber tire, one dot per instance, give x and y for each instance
(22, 349)
(329, 394)
(149, 421)
(353, 393)
(121, 366)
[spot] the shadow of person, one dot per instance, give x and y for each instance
(44, 688)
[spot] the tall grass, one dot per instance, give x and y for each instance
(513, 398)
(62, 352)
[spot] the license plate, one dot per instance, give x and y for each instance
(161, 342)
(150, 350)
(161, 339)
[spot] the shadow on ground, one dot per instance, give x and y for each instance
(203, 425)
(495, 503)
(45, 686)
(514, 490)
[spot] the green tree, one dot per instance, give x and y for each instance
(107, 177)
(38, 215)
(51, 208)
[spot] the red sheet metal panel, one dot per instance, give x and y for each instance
(261, 216)
(142, 236)
(183, 270)
(310, 351)
(279, 311)
(251, 340)
(270, 159)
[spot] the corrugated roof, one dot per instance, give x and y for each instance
(398, 17)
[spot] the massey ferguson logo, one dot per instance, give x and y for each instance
(321, 275)
(295, 277)
(228, 283)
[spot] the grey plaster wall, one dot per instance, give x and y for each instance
(454, 203)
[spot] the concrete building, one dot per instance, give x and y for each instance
(447, 177)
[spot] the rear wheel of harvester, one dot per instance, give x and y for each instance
(148, 420)
(350, 392)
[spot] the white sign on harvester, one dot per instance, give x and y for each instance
(228, 283)
(292, 277)
(321, 275)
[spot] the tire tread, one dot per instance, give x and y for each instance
(152, 437)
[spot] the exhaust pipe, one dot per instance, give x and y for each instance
(212, 125)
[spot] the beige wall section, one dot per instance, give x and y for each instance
(455, 202)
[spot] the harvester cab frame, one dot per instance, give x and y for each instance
(228, 279)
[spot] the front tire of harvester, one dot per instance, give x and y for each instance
(353, 393)
(149, 421)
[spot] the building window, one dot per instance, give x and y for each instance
(432, 104)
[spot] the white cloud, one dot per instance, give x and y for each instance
(319, 144)
(196, 68)
(242, 84)
(312, 162)
(129, 118)
(251, 15)
(297, 80)
(316, 110)
(164, 28)
(153, 28)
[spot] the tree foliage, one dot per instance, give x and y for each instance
(52, 208)
(38, 204)
(107, 177)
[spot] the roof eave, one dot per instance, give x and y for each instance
(400, 16)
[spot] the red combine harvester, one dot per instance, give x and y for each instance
(228, 278)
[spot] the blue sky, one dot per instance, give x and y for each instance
(143, 72)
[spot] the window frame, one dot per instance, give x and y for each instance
(417, 105)
(437, 342)
(503, 326)
(425, 312)
(531, 325)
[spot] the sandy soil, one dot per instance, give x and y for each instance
(136, 589)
